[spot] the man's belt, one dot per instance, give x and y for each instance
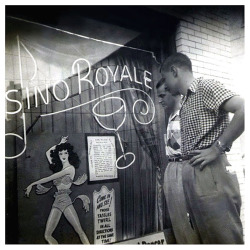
(180, 158)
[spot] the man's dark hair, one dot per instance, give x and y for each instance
(160, 83)
(179, 60)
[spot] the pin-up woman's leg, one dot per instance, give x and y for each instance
(72, 217)
(52, 222)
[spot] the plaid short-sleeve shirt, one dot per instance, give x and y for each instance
(202, 120)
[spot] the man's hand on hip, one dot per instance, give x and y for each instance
(204, 156)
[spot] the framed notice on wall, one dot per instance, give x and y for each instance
(101, 157)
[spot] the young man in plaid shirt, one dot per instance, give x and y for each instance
(177, 215)
(211, 193)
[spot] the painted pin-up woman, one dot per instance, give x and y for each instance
(63, 161)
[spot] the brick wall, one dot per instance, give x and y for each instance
(205, 38)
(214, 40)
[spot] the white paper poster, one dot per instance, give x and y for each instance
(101, 157)
(151, 239)
(104, 216)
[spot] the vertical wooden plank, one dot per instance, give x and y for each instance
(106, 106)
(80, 110)
(59, 119)
(98, 109)
(46, 122)
(111, 88)
(92, 95)
(71, 113)
(84, 97)
(129, 139)
(68, 115)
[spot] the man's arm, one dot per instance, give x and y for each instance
(232, 132)
(236, 126)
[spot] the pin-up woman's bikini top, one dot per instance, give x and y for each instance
(66, 179)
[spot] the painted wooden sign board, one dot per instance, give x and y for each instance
(104, 216)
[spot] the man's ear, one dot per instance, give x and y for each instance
(174, 71)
